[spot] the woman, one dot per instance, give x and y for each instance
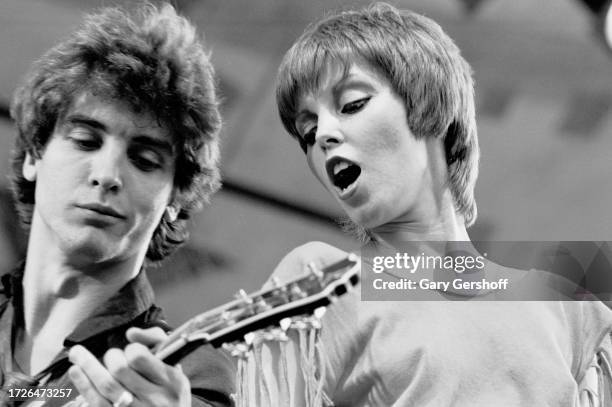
(381, 102)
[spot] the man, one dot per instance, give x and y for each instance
(117, 145)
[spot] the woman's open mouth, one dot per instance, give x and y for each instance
(343, 174)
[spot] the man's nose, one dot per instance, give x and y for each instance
(105, 169)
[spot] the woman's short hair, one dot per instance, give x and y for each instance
(421, 63)
(150, 58)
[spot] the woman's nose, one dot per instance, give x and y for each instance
(329, 133)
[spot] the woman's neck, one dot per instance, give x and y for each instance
(443, 224)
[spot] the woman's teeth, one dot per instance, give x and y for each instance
(339, 167)
(345, 174)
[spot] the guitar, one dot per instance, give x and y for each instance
(306, 294)
(303, 295)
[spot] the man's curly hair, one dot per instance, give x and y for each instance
(150, 58)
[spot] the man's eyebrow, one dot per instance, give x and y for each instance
(77, 118)
(143, 139)
(164, 145)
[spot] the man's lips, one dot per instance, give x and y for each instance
(101, 209)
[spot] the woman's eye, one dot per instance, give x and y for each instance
(355, 106)
(309, 136)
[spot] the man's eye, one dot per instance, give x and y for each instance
(146, 161)
(355, 106)
(84, 140)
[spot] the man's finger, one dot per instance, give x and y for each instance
(117, 364)
(89, 395)
(144, 362)
(97, 375)
(148, 337)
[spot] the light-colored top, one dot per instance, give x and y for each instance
(459, 353)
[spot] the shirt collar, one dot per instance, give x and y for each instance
(11, 282)
(97, 333)
(131, 300)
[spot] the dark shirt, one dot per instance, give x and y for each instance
(210, 371)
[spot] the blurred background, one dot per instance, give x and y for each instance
(543, 73)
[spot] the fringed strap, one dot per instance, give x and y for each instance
(590, 390)
(605, 372)
(320, 355)
(263, 386)
(241, 353)
(312, 360)
(595, 389)
(241, 378)
(263, 381)
(284, 391)
(305, 365)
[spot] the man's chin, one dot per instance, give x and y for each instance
(91, 250)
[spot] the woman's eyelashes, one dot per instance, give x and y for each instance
(355, 106)
(309, 133)
(310, 136)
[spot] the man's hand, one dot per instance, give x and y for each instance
(131, 377)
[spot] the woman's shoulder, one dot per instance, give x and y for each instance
(297, 261)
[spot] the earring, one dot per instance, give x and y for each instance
(29, 168)
(171, 213)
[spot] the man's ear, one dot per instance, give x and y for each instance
(29, 167)
(172, 208)
(171, 213)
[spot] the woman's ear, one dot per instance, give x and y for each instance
(29, 167)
